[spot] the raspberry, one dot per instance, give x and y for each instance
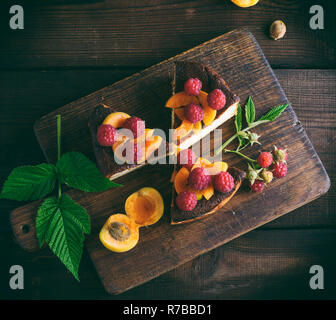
(186, 158)
(132, 152)
(193, 86)
(223, 182)
(257, 186)
(106, 135)
(265, 159)
(199, 178)
(279, 169)
(193, 112)
(186, 200)
(136, 125)
(216, 99)
(280, 155)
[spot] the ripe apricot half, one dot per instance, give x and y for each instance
(144, 206)
(245, 3)
(209, 113)
(116, 119)
(119, 233)
(180, 99)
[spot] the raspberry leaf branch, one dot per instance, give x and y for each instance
(244, 136)
(60, 222)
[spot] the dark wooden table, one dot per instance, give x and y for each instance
(71, 48)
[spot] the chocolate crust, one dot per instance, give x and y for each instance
(205, 207)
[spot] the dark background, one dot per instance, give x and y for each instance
(69, 49)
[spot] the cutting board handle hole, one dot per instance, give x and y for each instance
(25, 228)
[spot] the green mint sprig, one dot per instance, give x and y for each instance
(244, 136)
(60, 222)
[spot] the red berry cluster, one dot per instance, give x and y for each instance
(199, 179)
(193, 112)
(107, 136)
(273, 164)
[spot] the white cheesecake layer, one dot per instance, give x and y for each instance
(226, 115)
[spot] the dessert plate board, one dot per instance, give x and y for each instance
(239, 59)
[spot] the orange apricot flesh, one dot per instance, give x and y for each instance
(145, 206)
(116, 119)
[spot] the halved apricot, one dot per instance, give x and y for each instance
(119, 233)
(116, 119)
(201, 162)
(144, 206)
(209, 113)
(183, 130)
(180, 99)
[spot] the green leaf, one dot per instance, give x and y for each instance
(29, 182)
(238, 118)
(249, 111)
(274, 113)
(79, 172)
(61, 223)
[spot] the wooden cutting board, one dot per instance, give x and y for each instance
(162, 247)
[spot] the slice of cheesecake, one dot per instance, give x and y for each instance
(187, 133)
(105, 155)
(209, 200)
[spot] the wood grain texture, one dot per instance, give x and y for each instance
(239, 59)
(138, 33)
(263, 264)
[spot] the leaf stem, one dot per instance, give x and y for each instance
(227, 142)
(58, 117)
(240, 154)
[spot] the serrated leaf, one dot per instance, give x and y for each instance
(61, 223)
(29, 182)
(274, 113)
(249, 111)
(239, 118)
(78, 172)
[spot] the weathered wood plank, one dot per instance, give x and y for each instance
(138, 33)
(272, 264)
(162, 247)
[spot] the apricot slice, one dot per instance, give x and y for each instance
(180, 99)
(116, 119)
(181, 180)
(180, 113)
(201, 162)
(208, 191)
(197, 127)
(181, 183)
(144, 206)
(152, 144)
(209, 113)
(183, 130)
(217, 167)
(148, 133)
(119, 233)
